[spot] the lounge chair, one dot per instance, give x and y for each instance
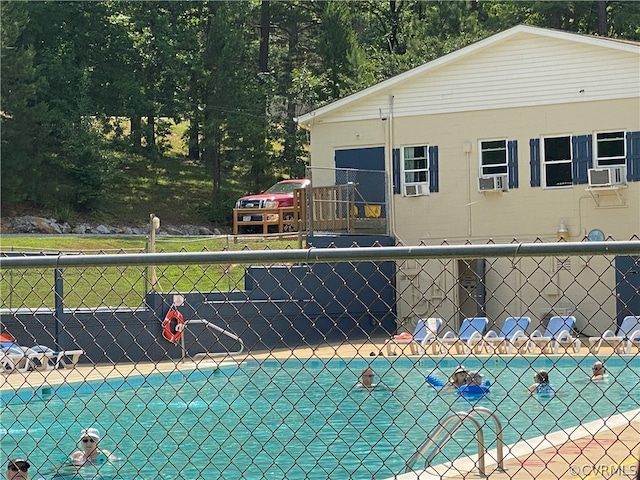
(628, 334)
(431, 338)
(13, 361)
(426, 330)
(61, 359)
(23, 359)
(513, 334)
(469, 337)
(41, 358)
(558, 333)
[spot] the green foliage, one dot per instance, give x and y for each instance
(89, 86)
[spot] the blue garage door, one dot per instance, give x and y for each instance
(627, 287)
(369, 177)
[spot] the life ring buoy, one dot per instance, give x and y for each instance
(172, 325)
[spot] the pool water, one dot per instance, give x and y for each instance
(304, 419)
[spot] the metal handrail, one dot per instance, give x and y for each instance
(212, 326)
(499, 440)
(460, 417)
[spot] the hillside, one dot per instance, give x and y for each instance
(174, 188)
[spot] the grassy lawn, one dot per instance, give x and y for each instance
(126, 286)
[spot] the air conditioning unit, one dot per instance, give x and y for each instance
(606, 177)
(487, 184)
(415, 189)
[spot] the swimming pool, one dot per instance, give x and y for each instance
(303, 419)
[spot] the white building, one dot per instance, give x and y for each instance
(529, 134)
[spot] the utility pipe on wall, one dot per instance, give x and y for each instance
(389, 168)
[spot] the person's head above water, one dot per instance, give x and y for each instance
(541, 376)
(367, 376)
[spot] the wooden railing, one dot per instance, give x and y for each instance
(285, 219)
(331, 209)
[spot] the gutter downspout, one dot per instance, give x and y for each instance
(389, 149)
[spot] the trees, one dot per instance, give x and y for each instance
(238, 72)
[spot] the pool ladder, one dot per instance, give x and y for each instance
(460, 418)
(212, 326)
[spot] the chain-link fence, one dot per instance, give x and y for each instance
(347, 200)
(324, 362)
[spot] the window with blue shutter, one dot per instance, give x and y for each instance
(633, 156)
(512, 147)
(534, 161)
(433, 169)
(582, 158)
(396, 171)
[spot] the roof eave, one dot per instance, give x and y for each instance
(308, 118)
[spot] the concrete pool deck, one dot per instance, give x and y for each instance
(599, 450)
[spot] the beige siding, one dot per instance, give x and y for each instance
(526, 71)
(458, 211)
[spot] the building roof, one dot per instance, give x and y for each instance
(519, 30)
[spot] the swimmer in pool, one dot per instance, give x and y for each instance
(459, 378)
(17, 469)
(89, 440)
(598, 371)
(541, 384)
(366, 378)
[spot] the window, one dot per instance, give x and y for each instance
(557, 161)
(415, 170)
(493, 158)
(415, 164)
(609, 149)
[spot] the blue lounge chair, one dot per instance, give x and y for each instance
(425, 332)
(469, 337)
(513, 334)
(628, 334)
(559, 332)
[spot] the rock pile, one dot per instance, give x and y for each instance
(40, 225)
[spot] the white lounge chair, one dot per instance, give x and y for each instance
(426, 329)
(628, 334)
(68, 358)
(469, 337)
(558, 333)
(13, 361)
(431, 338)
(55, 360)
(513, 334)
(40, 358)
(23, 359)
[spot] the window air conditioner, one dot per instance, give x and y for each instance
(487, 184)
(415, 189)
(606, 177)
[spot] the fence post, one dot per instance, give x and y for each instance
(58, 285)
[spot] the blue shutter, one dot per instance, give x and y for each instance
(581, 161)
(396, 171)
(512, 163)
(433, 169)
(633, 156)
(534, 161)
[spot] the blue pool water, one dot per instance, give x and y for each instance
(300, 419)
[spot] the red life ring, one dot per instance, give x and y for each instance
(173, 317)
